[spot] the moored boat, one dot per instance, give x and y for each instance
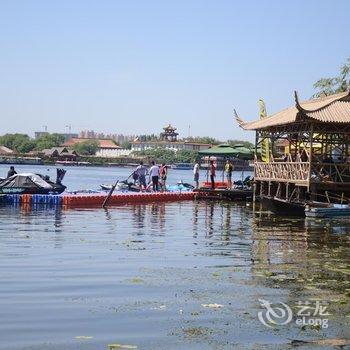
(29, 183)
(182, 166)
(283, 207)
(329, 211)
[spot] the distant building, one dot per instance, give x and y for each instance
(168, 140)
(119, 138)
(175, 146)
(5, 151)
(169, 134)
(59, 153)
(107, 148)
(67, 136)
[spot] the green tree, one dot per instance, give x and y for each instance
(49, 141)
(126, 145)
(246, 144)
(203, 139)
(86, 148)
(18, 142)
(186, 156)
(168, 156)
(340, 83)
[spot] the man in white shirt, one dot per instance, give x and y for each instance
(154, 175)
(196, 174)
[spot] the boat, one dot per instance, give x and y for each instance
(30, 183)
(71, 163)
(330, 210)
(283, 207)
(21, 160)
(184, 185)
(182, 166)
(122, 186)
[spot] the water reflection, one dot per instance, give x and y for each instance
(204, 252)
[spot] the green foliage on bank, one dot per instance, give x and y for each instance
(18, 142)
(22, 143)
(48, 141)
(168, 156)
(86, 148)
(203, 139)
(246, 144)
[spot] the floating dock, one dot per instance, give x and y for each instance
(90, 200)
(223, 194)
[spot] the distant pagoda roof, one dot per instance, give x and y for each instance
(329, 109)
(169, 127)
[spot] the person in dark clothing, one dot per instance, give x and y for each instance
(163, 173)
(11, 172)
(212, 174)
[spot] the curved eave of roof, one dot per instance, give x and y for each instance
(329, 109)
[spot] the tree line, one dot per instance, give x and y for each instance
(22, 143)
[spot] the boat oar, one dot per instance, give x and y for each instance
(109, 194)
(112, 190)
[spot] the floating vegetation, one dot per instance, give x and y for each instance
(213, 306)
(137, 280)
(83, 337)
(322, 342)
(194, 332)
(121, 346)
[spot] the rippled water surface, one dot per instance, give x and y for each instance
(183, 275)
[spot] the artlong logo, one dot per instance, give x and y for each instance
(278, 315)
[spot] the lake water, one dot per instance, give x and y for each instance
(189, 275)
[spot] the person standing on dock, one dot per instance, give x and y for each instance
(11, 172)
(154, 175)
(163, 172)
(228, 171)
(212, 171)
(141, 172)
(196, 174)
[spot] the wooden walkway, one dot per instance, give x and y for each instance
(224, 194)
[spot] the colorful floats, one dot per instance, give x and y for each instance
(87, 200)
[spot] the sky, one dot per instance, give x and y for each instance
(134, 66)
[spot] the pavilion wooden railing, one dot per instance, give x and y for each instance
(299, 172)
(293, 172)
(330, 172)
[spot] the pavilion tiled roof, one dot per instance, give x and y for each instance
(328, 109)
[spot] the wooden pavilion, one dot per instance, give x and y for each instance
(317, 165)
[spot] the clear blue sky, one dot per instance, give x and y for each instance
(133, 66)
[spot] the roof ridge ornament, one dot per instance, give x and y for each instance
(297, 104)
(239, 120)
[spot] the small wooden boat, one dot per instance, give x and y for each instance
(283, 207)
(327, 211)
